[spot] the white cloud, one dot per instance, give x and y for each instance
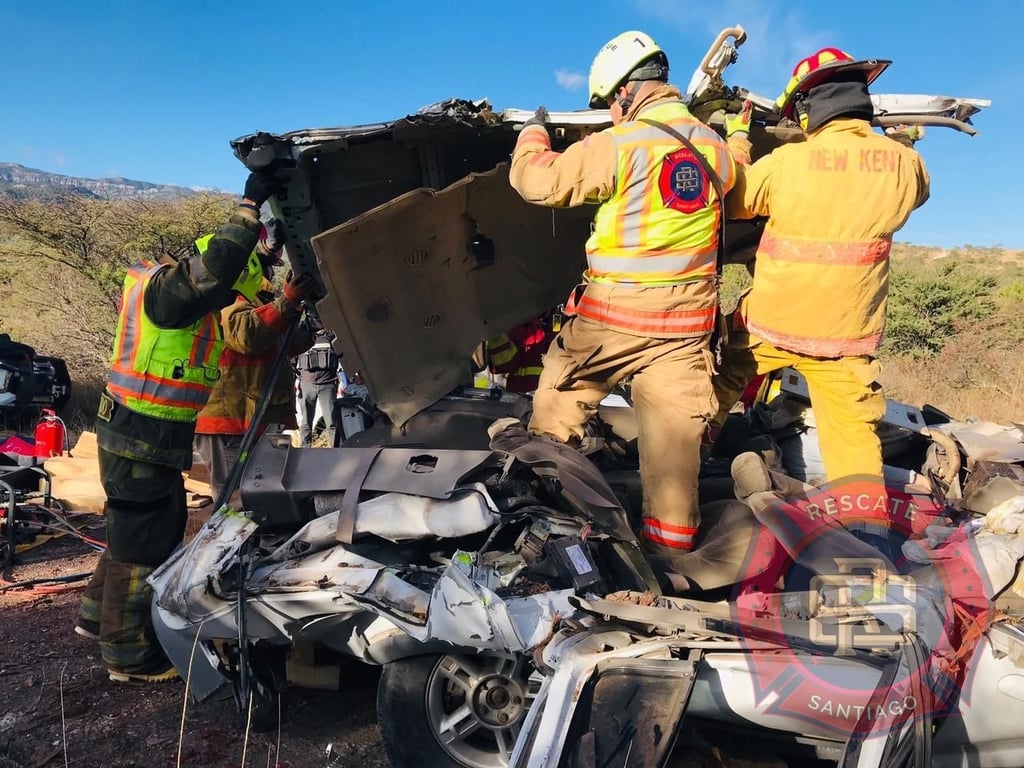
(570, 81)
(27, 151)
(60, 158)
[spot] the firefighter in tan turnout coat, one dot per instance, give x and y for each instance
(648, 303)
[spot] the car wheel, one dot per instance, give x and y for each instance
(454, 710)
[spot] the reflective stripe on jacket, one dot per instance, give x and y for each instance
(661, 225)
(166, 373)
(655, 234)
(252, 343)
(834, 201)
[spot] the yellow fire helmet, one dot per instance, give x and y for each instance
(629, 56)
(249, 281)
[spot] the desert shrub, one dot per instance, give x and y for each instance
(927, 301)
(62, 263)
(65, 257)
(735, 280)
(1011, 293)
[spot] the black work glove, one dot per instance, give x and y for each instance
(270, 248)
(261, 185)
(540, 117)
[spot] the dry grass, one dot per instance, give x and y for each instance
(967, 379)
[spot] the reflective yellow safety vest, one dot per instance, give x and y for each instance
(660, 227)
(166, 373)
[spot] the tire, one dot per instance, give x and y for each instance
(483, 698)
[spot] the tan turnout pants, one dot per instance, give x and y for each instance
(673, 399)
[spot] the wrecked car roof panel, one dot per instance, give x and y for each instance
(415, 284)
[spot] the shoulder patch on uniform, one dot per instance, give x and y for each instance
(683, 183)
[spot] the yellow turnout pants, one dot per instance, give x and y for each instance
(847, 399)
(673, 400)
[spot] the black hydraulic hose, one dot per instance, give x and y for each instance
(50, 580)
(248, 441)
(253, 430)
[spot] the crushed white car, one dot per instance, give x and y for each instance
(497, 577)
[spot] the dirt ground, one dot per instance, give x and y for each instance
(57, 706)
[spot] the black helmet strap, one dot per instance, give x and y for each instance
(627, 102)
(655, 68)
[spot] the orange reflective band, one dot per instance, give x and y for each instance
(675, 536)
(129, 395)
(816, 346)
(685, 322)
(799, 251)
(134, 297)
(204, 341)
(538, 137)
(182, 387)
(220, 425)
(543, 158)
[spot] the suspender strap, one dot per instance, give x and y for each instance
(716, 182)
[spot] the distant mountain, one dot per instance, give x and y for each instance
(19, 181)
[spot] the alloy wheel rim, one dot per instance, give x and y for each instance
(476, 706)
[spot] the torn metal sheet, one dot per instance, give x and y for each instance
(957, 108)
(183, 580)
(987, 440)
(466, 613)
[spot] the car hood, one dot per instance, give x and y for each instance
(414, 285)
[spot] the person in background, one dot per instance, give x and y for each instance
(318, 384)
(519, 353)
(167, 344)
(253, 328)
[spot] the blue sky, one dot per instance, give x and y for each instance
(155, 90)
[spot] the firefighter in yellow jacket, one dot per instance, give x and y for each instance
(648, 304)
(821, 280)
(253, 327)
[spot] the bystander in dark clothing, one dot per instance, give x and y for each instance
(318, 384)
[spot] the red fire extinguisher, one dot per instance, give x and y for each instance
(49, 435)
